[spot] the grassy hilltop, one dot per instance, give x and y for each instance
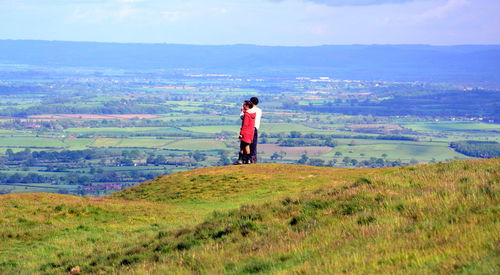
(436, 218)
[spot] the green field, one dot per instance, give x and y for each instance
(198, 144)
(172, 144)
(188, 109)
(131, 143)
(183, 103)
(177, 115)
(32, 142)
(35, 188)
(123, 131)
(453, 126)
(4, 131)
(404, 150)
(266, 127)
(79, 143)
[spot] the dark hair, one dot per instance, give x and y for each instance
(248, 103)
(254, 100)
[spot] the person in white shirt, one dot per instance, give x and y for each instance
(253, 146)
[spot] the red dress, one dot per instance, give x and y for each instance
(247, 127)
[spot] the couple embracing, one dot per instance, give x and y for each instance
(250, 116)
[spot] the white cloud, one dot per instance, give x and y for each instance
(353, 2)
(92, 16)
(174, 16)
(130, 1)
(441, 11)
(124, 13)
(220, 10)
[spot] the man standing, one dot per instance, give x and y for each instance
(253, 145)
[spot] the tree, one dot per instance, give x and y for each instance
(346, 160)
(14, 178)
(275, 156)
(223, 159)
(295, 134)
(134, 154)
(83, 180)
(316, 162)
(330, 142)
(198, 156)
(278, 155)
(126, 162)
(303, 159)
(161, 159)
(380, 162)
(6, 190)
(338, 154)
(150, 159)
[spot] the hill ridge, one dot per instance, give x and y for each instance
(364, 62)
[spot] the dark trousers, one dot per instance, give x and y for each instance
(253, 146)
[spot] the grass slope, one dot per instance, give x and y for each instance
(441, 218)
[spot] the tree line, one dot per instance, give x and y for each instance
(478, 149)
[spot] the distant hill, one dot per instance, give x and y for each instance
(370, 62)
(266, 218)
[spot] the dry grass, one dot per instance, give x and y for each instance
(282, 219)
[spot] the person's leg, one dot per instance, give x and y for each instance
(246, 154)
(240, 154)
(253, 147)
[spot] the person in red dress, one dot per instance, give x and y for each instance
(246, 132)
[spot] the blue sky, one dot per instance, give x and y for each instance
(262, 22)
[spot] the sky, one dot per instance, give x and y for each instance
(261, 22)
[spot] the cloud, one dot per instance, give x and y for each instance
(129, 1)
(354, 2)
(138, 12)
(173, 16)
(443, 10)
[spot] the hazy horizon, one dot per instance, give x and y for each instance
(250, 44)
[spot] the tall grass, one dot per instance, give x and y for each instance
(441, 218)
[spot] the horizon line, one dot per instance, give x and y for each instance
(247, 44)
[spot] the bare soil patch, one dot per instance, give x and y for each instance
(90, 116)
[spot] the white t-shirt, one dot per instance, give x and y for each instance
(258, 115)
